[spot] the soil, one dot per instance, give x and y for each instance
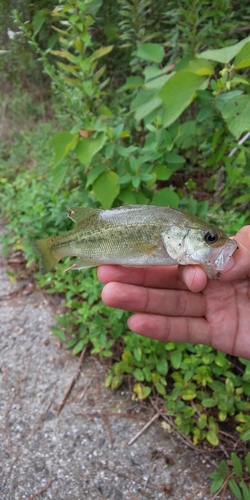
(83, 451)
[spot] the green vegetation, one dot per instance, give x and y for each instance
(236, 476)
(148, 102)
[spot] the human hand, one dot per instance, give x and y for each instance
(180, 304)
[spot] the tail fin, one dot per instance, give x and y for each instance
(47, 257)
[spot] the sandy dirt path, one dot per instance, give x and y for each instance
(83, 452)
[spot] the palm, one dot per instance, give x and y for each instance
(227, 313)
(166, 310)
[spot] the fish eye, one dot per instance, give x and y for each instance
(211, 237)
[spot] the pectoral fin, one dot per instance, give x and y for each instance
(77, 214)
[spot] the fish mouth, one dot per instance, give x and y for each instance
(220, 258)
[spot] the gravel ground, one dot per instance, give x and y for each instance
(83, 452)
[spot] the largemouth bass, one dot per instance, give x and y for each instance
(138, 235)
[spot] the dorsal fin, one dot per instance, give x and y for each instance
(77, 214)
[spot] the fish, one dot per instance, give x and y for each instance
(137, 235)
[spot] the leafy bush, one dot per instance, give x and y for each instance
(155, 110)
(133, 144)
(18, 67)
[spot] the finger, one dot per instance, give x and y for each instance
(194, 277)
(153, 300)
(169, 329)
(154, 276)
(241, 257)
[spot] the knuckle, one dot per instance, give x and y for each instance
(181, 304)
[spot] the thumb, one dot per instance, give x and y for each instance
(194, 277)
(241, 257)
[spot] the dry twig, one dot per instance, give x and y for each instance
(101, 414)
(132, 475)
(144, 428)
(9, 472)
(107, 424)
(40, 491)
(73, 380)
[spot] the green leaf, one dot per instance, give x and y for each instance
(220, 359)
(127, 197)
(142, 392)
(229, 386)
(116, 382)
(245, 490)
(235, 489)
(176, 358)
(125, 152)
(188, 375)
(202, 421)
(162, 366)
(165, 197)
(153, 52)
(237, 465)
(209, 402)
(39, 19)
(132, 82)
(160, 388)
(162, 173)
(145, 392)
(87, 147)
(138, 374)
(226, 54)
(175, 159)
(142, 97)
(65, 54)
(216, 485)
(223, 98)
(157, 83)
(245, 436)
(106, 188)
(58, 332)
(103, 51)
(58, 174)
(52, 41)
(92, 8)
(94, 173)
(247, 461)
(71, 343)
(137, 353)
(212, 438)
(223, 469)
(178, 92)
(236, 113)
(62, 142)
(103, 110)
(111, 31)
(79, 346)
(147, 108)
(147, 373)
(170, 346)
(240, 79)
(242, 59)
(213, 425)
(246, 375)
(153, 71)
(201, 67)
(189, 393)
(222, 416)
